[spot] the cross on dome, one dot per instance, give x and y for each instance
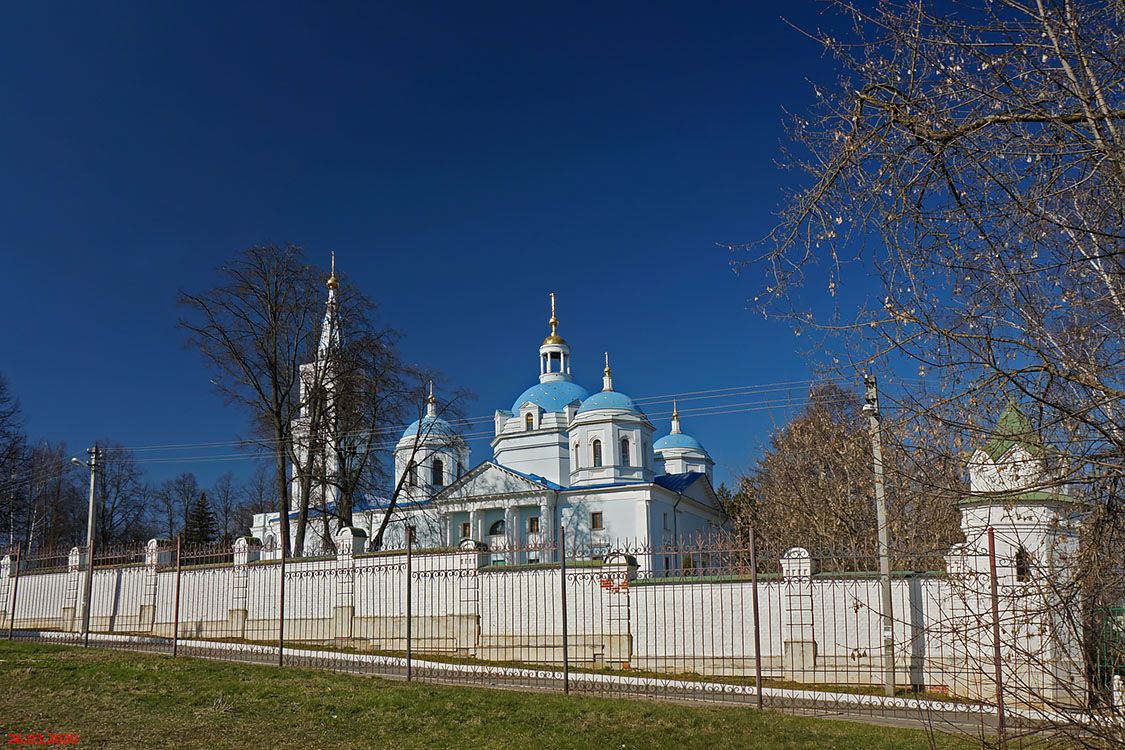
(333, 283)
(554, 337)
(554, 354)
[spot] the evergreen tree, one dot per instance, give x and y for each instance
(201, 527)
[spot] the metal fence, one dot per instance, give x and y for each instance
(977, 646)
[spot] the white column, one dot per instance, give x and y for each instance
(350, 541)
(547, 528)
(511, 532)
(799, 644)
(157, 552)
(476, 525)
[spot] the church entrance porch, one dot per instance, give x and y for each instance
(514, 533)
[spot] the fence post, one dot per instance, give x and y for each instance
(176, 605)
(996, 657)
(281, 609)
(562, 585)
(409, 602)
(757, 623)
(15, 593)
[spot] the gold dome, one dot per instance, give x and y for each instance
(554, 337)
(333, 282)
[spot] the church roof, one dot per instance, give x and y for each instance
(530, 477)
(678, 482)
(608, 400)
(429, 427)
(679, 440)
(553, 395)
(1012, 429)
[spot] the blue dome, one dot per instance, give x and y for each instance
(608, 400)
(678, 441)
(429, 427)
(552, 395)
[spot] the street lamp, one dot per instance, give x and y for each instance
(95, 457)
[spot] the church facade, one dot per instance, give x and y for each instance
(564, 461)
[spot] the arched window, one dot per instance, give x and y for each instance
(412, 474)
(496, 529)
(597, 450)
(529, 422)
(577, 452)
(437, 473)
(460, 469)
(625, 451)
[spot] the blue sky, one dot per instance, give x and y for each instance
(463, 161)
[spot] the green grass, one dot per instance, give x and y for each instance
(115, 699)
(579, 668)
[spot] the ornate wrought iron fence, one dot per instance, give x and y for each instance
(982, 638)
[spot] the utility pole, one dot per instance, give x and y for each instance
(871, 409)
(91, 518)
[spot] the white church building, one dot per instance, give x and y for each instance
(563, 458)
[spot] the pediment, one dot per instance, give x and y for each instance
(489, 480)
(703, 493)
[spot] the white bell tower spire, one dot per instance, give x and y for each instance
(330, 327)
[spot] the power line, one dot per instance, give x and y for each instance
(719, 409)
(727, 392)
(705, 411)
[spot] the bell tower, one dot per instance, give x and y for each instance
(554, 353)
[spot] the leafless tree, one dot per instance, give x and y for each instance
(255, 328)
(352, 392)
(122, 497)
(55, 510)
(13, 474)
(224, 498)
(174, 499)
(973, 163)
(970, 160)
(813, 487)
(429, 438)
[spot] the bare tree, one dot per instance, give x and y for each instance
(255, 328)
(13, 474)
(972, 164)
(429, 437)
(255, 496)
(55, 511)
(813, 487)
(225, 504)
(174, 499)
(121, 495)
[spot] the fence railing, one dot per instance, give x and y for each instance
(981, 642)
